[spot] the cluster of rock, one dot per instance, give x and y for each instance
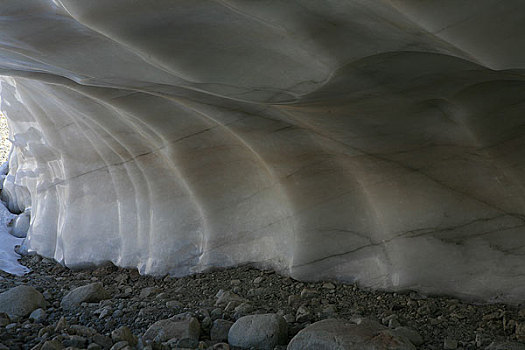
(242, 308)
(259, 331)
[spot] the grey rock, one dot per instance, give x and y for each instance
(309, 293)
(38, 315)
(289, 318)
(124, 334)
(179, 328)
(47, 295)
(117, 314)
(257, 292)
(221, 346)
(260, 331)
(341, 334)
(103, 340)
(170, 344)
(52, 345)
(105, 312)
(161, 296)
(294, 300)
(232, 305)
(91, 293)
(225, 297)
(75, 341)
(394, 323)
(481, 339)
(242, 310)
(61, 324)
(328, 311)
(302, 314)
(328, 285)
(450, 344)
(206, 322)
(172, 304)
(216, 313)
(121, 345)
(45, 330)
(219, 330)
(4, 319)
(20, 301)
(189, 343)
(82, 330)
(121, 278)
(391, 321)
(505, 346)
(410, 334)
(520, 331)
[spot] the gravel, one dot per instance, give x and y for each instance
(5, 144)
(219, 298)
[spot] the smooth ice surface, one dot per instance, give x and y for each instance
(372, 141)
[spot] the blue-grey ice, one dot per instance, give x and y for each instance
(8, 257)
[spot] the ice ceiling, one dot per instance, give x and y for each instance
(380, 142)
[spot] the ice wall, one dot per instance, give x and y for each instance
(372, 141)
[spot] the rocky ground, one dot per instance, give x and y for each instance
(5, 144)
(119, 309)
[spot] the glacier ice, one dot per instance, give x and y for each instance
(19, 225)
(380, 142)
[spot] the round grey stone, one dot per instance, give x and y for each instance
(90, 293)
(20, 301)
(348, 335)
(259, 331)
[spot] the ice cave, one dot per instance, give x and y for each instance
(380, 142)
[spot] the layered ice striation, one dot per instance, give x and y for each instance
(381, 142)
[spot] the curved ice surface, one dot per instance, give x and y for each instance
(372, 141)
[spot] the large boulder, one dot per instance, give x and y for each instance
(91, 293)
(358, 334)
(178, 327)
(20, 301)
(259, 331)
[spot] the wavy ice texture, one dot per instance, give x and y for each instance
(380, 142)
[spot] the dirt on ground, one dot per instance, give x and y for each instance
(5, 144)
